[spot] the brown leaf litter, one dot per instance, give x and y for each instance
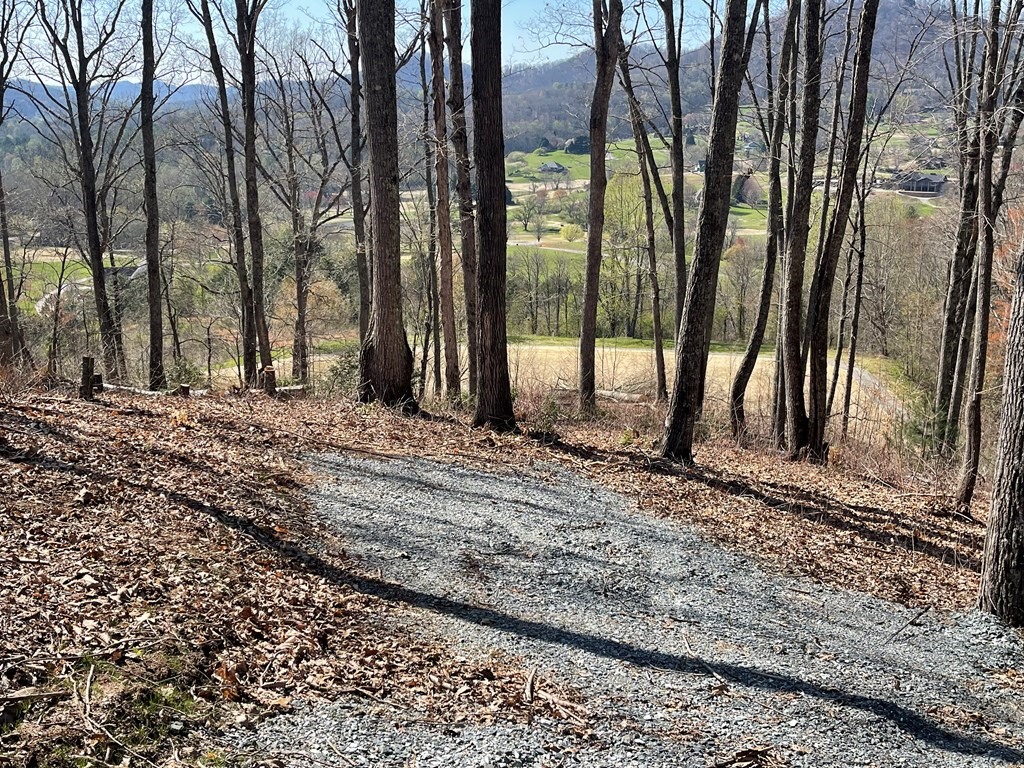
(162, 575)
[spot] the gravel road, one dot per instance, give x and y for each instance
(686, 654)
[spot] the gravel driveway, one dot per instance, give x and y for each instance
(685, 654)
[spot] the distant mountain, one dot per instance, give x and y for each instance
(551, 100)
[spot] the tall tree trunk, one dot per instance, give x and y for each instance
(460, 145)
(647, 169)
(249, 353)
(986, 241)
(247, 14)
(10, 335)
(693, 345)
(494, 391)
(858, 294)
(157, 378)
(777, 107)
(112, 365)
(837, 364)
(677, 222)
(607, 39)
(385, 360)
(446, 299)
(821, 298)
(356, 165)
(796, 245)
(300, 331)
(957, 298)
(428, 176)
(1002, 572)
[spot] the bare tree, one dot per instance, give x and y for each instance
(435, 37)
(385, 360)
(460, 145)
(86, 51)
(607, 41)
(773, 125)
(302, 158)
(203, 13)
(247, 15)
(1002, 573)
(157, 378)
(15, 18)
(820, 298)
(798, 226)
(494, 391)
(694, 341)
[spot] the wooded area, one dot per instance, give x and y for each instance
(786, 234)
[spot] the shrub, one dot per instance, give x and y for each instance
(572, 232)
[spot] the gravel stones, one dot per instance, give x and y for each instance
(686, 654)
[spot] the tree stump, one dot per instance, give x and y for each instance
(85, 390)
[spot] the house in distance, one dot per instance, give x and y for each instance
(918, 183)
(553, 167)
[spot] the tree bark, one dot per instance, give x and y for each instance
(607, 40)
(452, 375)
(356, 165)
(858, 294)
(677, 222)
(249, 353)
(776, 224)
(820, 300)
(989, 139)
(463, 170)
(157, 377)
(693, 344)
(247, 13)
(796, 246)
(957, 298)
(494, 392)
(385, 360)
(1002, 572)
(10, 334)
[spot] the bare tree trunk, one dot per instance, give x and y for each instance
(428, 176)
(1002, 573)
(10, 334)
(843, 312)
(249, 353)
(776, 225)
(820, 300)
(858, 294)
(986, 223)
(677, 222)
(607, 40)
(247, 14)
(460, 144)
(494, 392)
(796, 246)
(452, 376)
(300, 331)
(157, 378)
(693, 344)
(957, 300)
(647, 168)
(385, 360)
(356, 165)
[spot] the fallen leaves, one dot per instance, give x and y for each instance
(135, 528)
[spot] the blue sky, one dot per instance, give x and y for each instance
(519, 46)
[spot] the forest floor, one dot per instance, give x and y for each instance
(175, 572)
